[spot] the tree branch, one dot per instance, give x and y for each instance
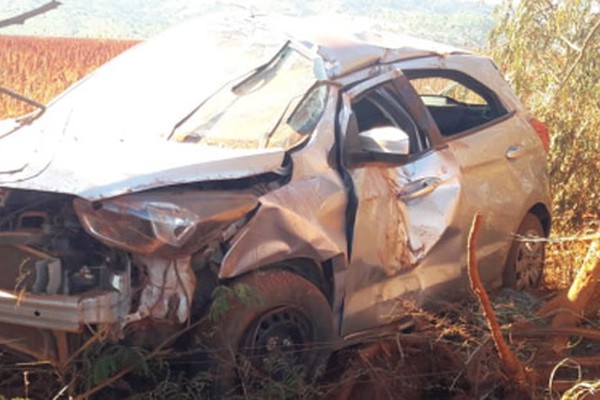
(508, 359)
(20, 19)
(586, 43)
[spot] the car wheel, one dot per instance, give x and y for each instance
(286, 333)
(525, 264)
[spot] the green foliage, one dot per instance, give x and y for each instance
(179, 387)
(461, 27)
(223, 296)
(104, 360)
(549, 52)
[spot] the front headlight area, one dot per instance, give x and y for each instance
(168, 224)
(163, 230)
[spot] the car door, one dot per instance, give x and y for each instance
(490, 144)
(401, 206)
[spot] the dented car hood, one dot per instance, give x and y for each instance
(95, 170)
(109, 134)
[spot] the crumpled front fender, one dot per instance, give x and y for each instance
(304, 219)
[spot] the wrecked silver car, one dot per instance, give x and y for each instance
(332, 176)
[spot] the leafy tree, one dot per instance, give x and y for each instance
(549, 51)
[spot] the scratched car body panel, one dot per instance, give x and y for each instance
(336, 158)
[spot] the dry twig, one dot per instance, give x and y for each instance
(511, 365)
(21, 18)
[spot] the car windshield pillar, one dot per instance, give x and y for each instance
(255, 112)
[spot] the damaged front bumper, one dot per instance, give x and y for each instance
(33, 296)
(64, 312)
(37, 308)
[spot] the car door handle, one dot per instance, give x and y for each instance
(418, 188)
(515, 151)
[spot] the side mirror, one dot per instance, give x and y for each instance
(385, 140)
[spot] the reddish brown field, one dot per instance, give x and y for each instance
(40, 68)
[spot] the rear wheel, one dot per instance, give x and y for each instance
(284, 335)
(525, 264)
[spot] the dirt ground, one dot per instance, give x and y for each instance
(451, 355)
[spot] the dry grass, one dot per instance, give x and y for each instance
(563, 259)
(41, 68)
(566, 251)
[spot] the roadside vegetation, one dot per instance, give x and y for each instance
(549, 53)
(548, 50)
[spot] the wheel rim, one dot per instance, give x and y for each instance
(277, 344)
(529, 262)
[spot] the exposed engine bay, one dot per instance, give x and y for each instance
(64, 270)
(51, 252)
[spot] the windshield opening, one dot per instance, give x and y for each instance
(276, 106)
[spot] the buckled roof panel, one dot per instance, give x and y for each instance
(351, 52)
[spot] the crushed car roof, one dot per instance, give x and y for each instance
(350, 51)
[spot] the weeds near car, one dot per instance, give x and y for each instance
(222, 297)
(104, 369)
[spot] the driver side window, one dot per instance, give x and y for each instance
(378, 109)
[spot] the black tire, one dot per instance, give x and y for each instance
(290, 323)
(525, 263)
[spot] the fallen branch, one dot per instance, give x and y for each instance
(511, 365)
(568, 307)
(21, 18)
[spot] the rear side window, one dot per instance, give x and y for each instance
(457, 102)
